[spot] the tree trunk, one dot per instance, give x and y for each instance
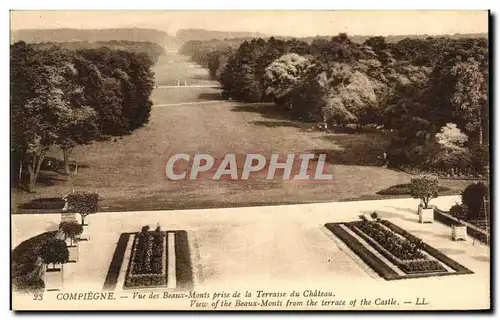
(32, 180)
(66, 153)
(34, 170)
(20, 176)
(426, 203)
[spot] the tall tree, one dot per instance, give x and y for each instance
(283, 75)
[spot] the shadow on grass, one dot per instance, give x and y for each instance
(49, 178)
(277, 124)
(200, 77)
(355, 149)
(210, 96)
(54, 203)
(266, 110)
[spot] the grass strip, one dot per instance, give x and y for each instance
(116, 262)
(183, 266)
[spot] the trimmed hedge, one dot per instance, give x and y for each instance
(84, 203)
(403, 189)
(23, 263)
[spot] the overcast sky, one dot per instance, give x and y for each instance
(287, 23)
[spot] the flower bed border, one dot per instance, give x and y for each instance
(160, 277)
(116, 262)
(386, 271)
(184, 271)
(401, 264)
(432, 251)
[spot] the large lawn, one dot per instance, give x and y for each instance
(129, 172)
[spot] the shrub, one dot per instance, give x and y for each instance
(83, 203)
(24, 263)
(54, 251)
(459, 212)
(71, 229)
(402, 189)
(424, 188)
(473, 197)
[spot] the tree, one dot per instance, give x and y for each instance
(54, 252)
(425, 188)
(377, 44)
(71, 230)
(37, 119)
(283, 75)
(80, 127)
(84, 203)
(451, 138)
(470, 96)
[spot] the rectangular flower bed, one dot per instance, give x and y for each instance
(393, 252)
(147, 262)
(142, 274)
(401, 251)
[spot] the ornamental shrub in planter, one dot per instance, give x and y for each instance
(54, 254)
(425, 188)
(458, 230)
(71, 229)
(84, 203)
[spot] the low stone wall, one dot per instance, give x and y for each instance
(473, 231)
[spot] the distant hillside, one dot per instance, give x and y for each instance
(184, 35)
(390, 38)
(90, 35)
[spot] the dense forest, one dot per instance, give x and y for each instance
(64, 98)
(153, 50)
(431, 94)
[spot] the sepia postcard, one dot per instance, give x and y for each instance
(250, 160)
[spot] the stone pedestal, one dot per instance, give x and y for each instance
(425, 215)
(54, 278)
(459, 233)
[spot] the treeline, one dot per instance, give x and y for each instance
(431, 93)
(184, 35)
(72, 97)
(153, 50)
(91, 35)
